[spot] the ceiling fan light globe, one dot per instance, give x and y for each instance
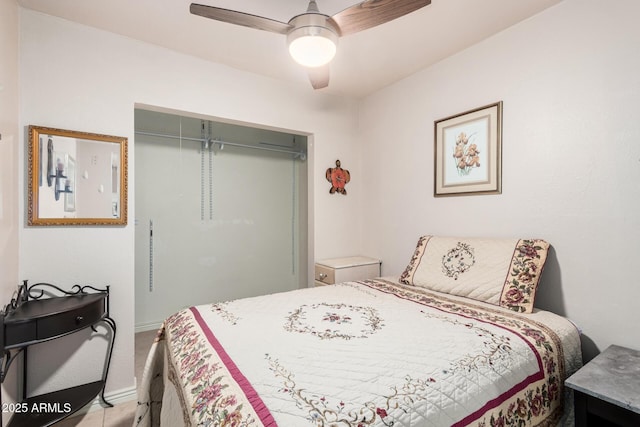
(312, 46)
(312, 51)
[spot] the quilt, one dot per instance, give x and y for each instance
(369, 353)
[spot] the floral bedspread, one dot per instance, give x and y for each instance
(370, 353)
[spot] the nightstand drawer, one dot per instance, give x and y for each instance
(63, 323)
(325, 274)
(20, 333)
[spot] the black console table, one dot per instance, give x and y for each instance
(44, 312)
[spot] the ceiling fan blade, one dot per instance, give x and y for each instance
(239, 18)
(319, 76)
(370, 13)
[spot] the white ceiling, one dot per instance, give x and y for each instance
(365, 61)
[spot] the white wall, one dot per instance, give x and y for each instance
(9, 139)
(9, 147)
(109, 76)
(570, 82)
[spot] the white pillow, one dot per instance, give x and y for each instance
(503, 272)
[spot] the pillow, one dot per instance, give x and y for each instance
(504, 272)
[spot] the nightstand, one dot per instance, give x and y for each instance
(607, 389)
(37, 315)
(337, 270)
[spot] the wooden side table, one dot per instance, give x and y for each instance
(607, 389)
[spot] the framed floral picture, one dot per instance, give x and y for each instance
(468, 152)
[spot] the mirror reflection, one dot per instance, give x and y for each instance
(76, 178)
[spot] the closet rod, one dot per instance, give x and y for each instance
(301, 154)
(162, 135)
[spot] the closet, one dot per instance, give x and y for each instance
(220, 213)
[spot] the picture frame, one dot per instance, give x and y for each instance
(468, 152)
(70, 178)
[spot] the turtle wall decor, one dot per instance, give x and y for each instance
(338, 178)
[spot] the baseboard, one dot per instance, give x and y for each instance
(148, 327)
(115, 398)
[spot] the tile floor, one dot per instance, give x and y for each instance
(120, 415)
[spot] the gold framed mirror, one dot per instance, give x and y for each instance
(76, 178)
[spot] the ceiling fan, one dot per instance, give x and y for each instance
(312, 36)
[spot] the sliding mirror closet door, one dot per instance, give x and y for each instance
(220, 213)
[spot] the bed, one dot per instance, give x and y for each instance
(465, 348)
